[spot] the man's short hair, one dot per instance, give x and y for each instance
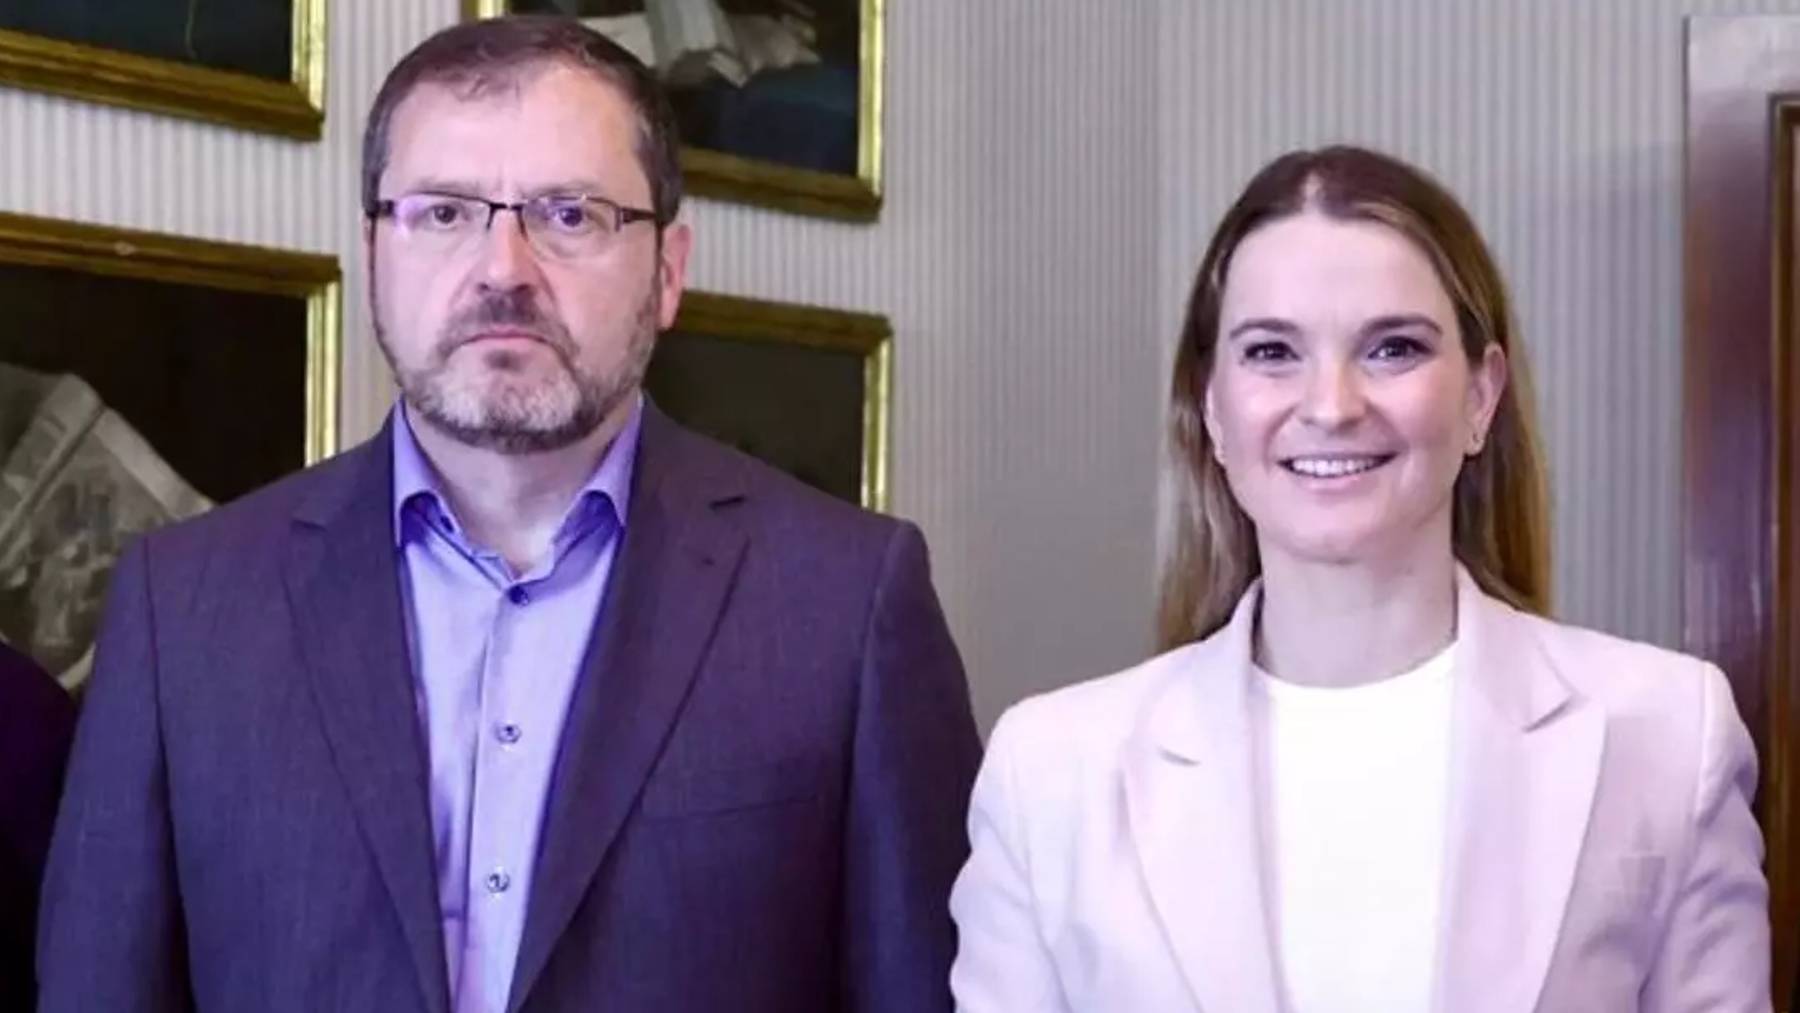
(478, 56)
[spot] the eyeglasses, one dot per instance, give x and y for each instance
(558, 226)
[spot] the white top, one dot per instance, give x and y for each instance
(1357, 783)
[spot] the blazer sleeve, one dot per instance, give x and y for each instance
(1715, 952)
(110, 934)
(912, 763)
(1002, 964)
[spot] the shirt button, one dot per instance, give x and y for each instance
(518, 595)
(507, 733)
(498, 881)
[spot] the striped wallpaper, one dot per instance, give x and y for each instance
(1053, 170)
(1560, 125)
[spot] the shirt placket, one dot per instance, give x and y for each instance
(497, 886)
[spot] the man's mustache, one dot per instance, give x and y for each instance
(510, 311)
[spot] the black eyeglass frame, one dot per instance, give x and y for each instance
(622, 214)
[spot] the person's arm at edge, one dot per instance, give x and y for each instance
(110, 935)
(913, 762)
(1714, 954)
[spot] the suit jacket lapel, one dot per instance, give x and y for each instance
(1527, 759)
(1191, 803)
(676, 565)
(344, 591)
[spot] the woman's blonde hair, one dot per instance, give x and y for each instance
(1500, 521)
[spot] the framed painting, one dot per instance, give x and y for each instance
(143, 379)
(779, 100)
(802, 388)
(256, 64)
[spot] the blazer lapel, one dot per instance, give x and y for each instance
(1527, 759)
(344, 591)
(676, 566)
(1191, 805)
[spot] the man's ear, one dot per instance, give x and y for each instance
(671, 272)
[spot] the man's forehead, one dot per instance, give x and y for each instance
(543, 91)
(554, 119)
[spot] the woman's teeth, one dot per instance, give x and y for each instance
(1333, 467)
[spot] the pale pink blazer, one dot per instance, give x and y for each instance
(1602, 856)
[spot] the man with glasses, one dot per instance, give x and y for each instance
(536, 701)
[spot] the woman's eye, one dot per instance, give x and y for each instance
(1267, 351)
(1398, 348)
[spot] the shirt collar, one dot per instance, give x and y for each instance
(416, 480)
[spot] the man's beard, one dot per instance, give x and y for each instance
(499, 409)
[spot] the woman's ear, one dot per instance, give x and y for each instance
(1209, 416)
(1487, 382)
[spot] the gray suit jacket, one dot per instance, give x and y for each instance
(757, 804)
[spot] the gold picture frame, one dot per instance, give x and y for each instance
(294, 108)
(849, 197)
(777, 342)
(144, 379)
(102, 250)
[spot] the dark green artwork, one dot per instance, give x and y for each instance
(252, 37)
(797, 407)
(772, 80)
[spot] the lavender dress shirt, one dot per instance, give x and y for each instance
(495, 658)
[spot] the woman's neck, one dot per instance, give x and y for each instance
(1342, 625)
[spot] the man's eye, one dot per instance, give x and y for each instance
(439, 214)
(570, 217)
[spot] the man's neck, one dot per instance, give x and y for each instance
(514, 503)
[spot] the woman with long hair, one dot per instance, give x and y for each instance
(1367, 773)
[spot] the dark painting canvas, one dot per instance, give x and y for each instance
(129, 402)
(773, 80)
(252, 37)
(803, 388)
(793, 406)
